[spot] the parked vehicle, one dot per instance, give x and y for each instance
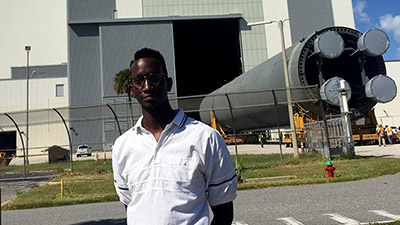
(83, 150)
(395, 129)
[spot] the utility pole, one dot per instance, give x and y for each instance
(287, 82)
(27, 49)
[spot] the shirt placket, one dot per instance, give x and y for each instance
(163, 138)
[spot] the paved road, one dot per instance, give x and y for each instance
(9, 188)
(111, 213)
(348, 202)
(356, 202)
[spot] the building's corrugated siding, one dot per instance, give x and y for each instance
(120, 42)
(84, 65)
(51, 71)
(84, 81)
(118, 50)
(307, 16)
(90, 9)
(253, 42)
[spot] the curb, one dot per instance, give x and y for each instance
(270, 178)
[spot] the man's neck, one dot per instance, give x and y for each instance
(156, 120)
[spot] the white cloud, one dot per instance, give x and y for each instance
(391, 24)
(359, 13)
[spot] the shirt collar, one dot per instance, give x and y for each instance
(179, 120)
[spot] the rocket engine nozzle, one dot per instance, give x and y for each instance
(355, 57)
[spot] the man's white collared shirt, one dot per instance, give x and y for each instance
(173, 181)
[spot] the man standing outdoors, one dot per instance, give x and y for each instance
(389, 133)
(169, 168)
(260, 139)
(381, 136)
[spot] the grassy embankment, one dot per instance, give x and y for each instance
(93, 182)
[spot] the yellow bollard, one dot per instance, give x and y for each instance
(62, 187)
(105, 157)
(96, 157)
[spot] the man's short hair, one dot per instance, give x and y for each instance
(149, 53)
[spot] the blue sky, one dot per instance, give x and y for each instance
(381, 14)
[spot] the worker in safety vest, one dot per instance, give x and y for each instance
(381, 134)
(389, 133)
(260, 139)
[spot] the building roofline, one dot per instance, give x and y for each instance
(155, 19)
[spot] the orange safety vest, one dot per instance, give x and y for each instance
(382, 131)
(389, 130)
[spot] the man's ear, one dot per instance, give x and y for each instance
(169, 84)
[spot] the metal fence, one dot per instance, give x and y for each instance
(316, 134)
(99, 125)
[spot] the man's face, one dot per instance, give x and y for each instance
(152, 92)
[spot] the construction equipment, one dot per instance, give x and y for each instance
(229, 139)
(302, 116)
(366, 133)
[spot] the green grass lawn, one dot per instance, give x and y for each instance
(93, 182)
(309, 169)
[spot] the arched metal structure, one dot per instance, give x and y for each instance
(115, 117)
(22, 141)
(69, 138)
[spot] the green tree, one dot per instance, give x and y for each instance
(122, 82)
(122, 85)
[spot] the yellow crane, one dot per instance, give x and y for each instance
(228, 138)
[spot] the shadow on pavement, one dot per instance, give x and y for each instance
(104, 222)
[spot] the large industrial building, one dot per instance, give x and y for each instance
(206, 43)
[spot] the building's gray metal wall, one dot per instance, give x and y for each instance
(96, 53)
(254, 48)
(90, 9)
(307, 16)
(84, 65)
(118, 44)
(84, 80)
(50, 71)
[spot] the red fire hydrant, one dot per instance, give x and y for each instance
(329, 168)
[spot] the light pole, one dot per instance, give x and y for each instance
(287, 83)
(27, 49)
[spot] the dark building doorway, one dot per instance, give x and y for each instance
(8, 142)
(207, 54)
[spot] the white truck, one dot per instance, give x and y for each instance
(83, 150)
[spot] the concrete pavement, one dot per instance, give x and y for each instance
(389, 151)
(34, 159)
(392, 151)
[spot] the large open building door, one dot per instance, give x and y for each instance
(8, 142)
(207, 54)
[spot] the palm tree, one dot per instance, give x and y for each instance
(122, 85)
